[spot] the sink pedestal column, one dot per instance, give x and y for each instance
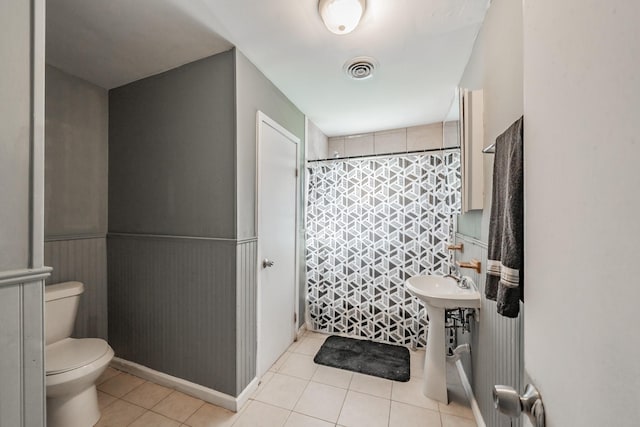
(435, 368)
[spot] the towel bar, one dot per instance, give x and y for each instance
(491, 149)
(473, 264)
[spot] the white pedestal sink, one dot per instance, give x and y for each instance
(439, 293)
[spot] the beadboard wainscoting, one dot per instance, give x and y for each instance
(172, 306)
(246, 303)
(82, 259)
(22, 391)
(497, 342)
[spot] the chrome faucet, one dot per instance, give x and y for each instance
(453, 275)
(462, 282)
(458, 279)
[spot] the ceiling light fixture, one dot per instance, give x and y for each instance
(341, 16)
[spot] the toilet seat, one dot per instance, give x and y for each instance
(70, 353)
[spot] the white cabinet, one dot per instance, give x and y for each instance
(472, 141)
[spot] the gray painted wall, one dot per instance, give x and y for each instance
(76, 170)
(497, 343)
(76, 156)
(246, 315)
(182, 254)
(15, 105)
(254, 92)
(22, 390)
(172, 306)
(171, 246)
(84, 260)
(172, 151)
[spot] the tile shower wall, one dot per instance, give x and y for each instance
(416, 138)
(371, 224)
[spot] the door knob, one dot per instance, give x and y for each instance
(509, 402)
(266, 263)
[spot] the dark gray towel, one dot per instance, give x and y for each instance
(506, 225)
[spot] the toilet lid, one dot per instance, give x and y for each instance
(73, 353)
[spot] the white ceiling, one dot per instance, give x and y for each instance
(422, 47)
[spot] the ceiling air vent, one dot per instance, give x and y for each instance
(360, 68)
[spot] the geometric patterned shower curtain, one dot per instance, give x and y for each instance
(371, 224)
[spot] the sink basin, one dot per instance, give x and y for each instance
(438, 294)
(443, 292)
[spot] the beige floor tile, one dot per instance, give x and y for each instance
(458, 403)
(276, 366)
(119, 414)
(308, 346)
(417, 363)
(108, 373)
(266, 377)
(411, 393)
(453, 377)
(364, 410)
(299, 365)
(147, 395)
(375, 386)
(299, 420)
(212, 416)
(151, 419)
(120, 385)
(453, 421)
(321, 401)
(258, 414)
(105, 400)
(263, 382)
(178, 406)
(294, 345)
(283, 391)
(332, 376)
(403, 415)
(316, 335)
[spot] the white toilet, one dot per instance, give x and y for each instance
(72, 365)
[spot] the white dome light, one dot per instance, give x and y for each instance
(341, 16)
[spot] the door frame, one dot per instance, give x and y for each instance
(263, 120)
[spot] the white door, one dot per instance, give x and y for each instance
(582, 198)
(277, 192)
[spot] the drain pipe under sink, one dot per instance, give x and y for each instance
(459, 351)
(455, 359)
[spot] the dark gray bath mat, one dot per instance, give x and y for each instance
(367, 357)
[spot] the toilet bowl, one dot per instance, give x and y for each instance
(72, 365)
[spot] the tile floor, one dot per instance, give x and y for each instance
(294, 393)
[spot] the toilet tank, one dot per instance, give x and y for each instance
(60, 308)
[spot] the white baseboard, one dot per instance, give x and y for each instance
(196, 390)
(246, 393)
(472, 398)
(301, 330)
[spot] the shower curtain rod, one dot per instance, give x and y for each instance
(399, 153)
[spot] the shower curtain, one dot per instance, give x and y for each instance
(371, 224)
